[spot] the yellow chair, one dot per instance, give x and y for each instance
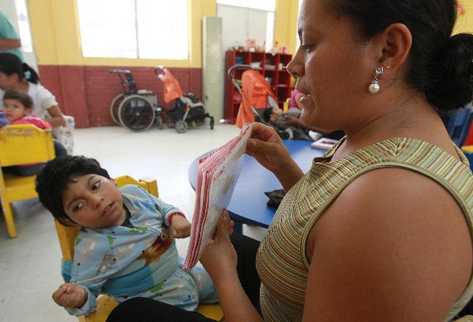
(20, 145)
(105, 304)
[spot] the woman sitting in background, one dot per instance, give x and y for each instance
(12, 77)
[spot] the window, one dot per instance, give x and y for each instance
(247, 19)
(24, 26)
(149, 29)
(267, 5)
(298, 42)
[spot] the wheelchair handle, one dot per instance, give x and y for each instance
(120, 71)
(231, 71)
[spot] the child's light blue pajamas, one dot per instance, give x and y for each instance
(133, 260)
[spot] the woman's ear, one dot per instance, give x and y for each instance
(395, 45)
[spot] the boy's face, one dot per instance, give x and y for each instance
(93, 201)
(14, 110)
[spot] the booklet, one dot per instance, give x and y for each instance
(217, 174)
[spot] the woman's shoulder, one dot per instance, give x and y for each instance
(404, 152)
(392, 225)
(41, 95)
(37, 88)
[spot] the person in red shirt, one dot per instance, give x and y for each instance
(17, 110)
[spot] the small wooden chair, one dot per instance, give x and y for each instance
(21, 145)
(105, 304)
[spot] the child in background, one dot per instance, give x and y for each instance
(18, 107)
(126, 245)
(293, 118)
(17, 110)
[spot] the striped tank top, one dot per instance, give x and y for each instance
(281, 261)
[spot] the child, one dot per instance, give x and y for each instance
(18, 107)
(121, 249)
(17, 110)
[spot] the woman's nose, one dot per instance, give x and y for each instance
(296, 65)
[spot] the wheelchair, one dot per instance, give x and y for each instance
(186, 109)
(136, 109)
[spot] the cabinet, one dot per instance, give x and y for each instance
(273, 67)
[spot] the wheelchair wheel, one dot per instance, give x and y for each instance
(117, 100)
(136, 113)
(181, 126)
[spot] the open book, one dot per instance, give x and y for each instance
(217, 174)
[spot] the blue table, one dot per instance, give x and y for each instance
(248, 203)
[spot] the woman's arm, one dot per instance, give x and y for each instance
(267, 148)
(57, 118)
(394, 246)
(220, 260)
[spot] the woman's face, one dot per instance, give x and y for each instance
(8, 81)
(332, 67)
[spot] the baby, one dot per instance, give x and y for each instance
(126, 245)
(18, 107)
(17, 110)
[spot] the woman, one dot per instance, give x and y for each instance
(12, 77)
(381, 228)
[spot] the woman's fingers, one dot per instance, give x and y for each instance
(261, 131)
(224, 226)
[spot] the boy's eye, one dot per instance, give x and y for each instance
(96, 185)
(78, 206)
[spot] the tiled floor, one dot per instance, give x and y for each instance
(30, 264)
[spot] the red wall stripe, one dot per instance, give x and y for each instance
(86, 92)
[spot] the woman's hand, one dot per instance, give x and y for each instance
(220, 260)
(56, 116)
(267, 148)
(219, 256)
(70, 295)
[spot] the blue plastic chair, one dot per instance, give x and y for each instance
(458, 124)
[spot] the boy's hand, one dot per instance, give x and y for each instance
(70, 296)
(180, 226)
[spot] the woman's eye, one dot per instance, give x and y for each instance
(307, 48)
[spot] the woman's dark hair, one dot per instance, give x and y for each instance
(440, 65)
(23, 98)
(53, 179)
(11, 64)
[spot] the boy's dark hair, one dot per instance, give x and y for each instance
(56, 175)
(440, 64)
(23, 98)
